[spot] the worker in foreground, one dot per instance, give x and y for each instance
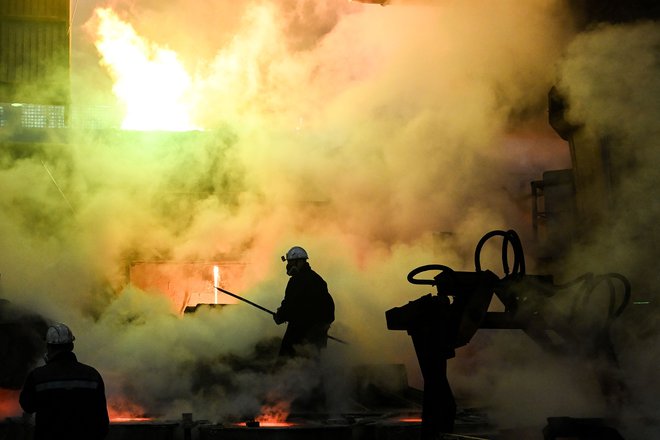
(67, 396)
(307, 307)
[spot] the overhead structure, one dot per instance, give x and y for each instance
(34, 51)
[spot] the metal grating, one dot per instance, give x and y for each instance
(32, 116)
(94, 117)
(43, 116)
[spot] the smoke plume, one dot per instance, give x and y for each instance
(378, 138)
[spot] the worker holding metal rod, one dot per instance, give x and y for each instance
(309, 310)
(307, 306)
(253, 304)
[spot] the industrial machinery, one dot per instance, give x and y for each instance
(441, 322)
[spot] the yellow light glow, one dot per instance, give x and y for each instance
(216, 281)
(150, 81)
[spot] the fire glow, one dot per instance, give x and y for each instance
(9, 406)
(272, 416)
(270, 424)
(188, 284)
(130, 419)
(121, 411)
(150, 81)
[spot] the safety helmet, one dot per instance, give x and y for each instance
(59, 334)
(295, 253)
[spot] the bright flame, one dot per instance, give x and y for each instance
(150, 81)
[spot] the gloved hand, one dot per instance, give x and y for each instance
(277, 318)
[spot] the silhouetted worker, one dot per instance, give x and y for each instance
(67, 396)
(307, 306)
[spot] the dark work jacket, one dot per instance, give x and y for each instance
(309, 310)
(68, 398)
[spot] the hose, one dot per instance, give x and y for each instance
(511, 237)
(590, 282)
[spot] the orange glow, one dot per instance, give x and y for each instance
(188, 284)
(276, 424)
(274, 413)
(149, 80)
(130, 419)
(411, 420)
(271, 424)
(9, 406)
(122, 410)
(273, 416)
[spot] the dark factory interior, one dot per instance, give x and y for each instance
(476, 181)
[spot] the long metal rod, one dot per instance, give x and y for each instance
(264, 309)
(245, 300)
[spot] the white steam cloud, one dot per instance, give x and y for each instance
(359, 132)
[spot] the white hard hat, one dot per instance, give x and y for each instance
(59, 334)
(296, 253)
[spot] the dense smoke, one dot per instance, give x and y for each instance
(378, 138)
(612, 78)
(609, 76)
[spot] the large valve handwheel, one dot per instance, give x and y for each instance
(425, 268)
